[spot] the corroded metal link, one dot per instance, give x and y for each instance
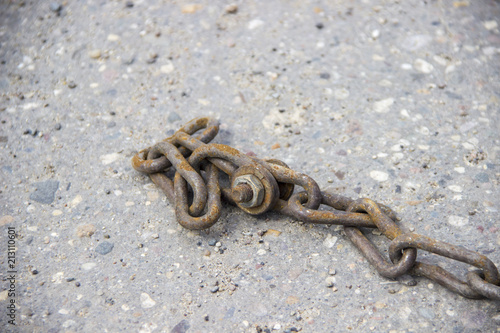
(446, 250)
(476, 283)
(295, 208)
(192, 143)
(445, 279)
(390, 230)
(142, 164)
(213, 205)
(182, 166)
(289, 176)
(475, 279)
(257, 186)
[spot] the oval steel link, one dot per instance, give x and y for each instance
(289, 176)
(446, 250)
(445, 279)
(213, 205)
(185, 169)
(476, 281)
(390, 230)
(142, 164)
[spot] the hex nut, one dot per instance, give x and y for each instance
(257, 189)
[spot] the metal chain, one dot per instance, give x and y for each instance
(257, 186)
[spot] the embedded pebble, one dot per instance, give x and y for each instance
(231, 9)
(89, 265)
(173, 117)
(383, 106)
(490, 25)
(55, 7)
(212, 242)
(416, 42)
(109, 158)
(261, 252)
(341, 93)
(146, 301)
(104, 248)
(330, 241)
(167, 68)
(45, 191)
(330, 281)
(181, 327)
(423, 66)
(6, 219)
(95, 54)
(455, 188)
(191, 8)
(379, 175)
(458, 221)
(253, 24)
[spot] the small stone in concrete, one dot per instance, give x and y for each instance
(85, 230)
(104, 248)
(45, 191)
(95, 54)
(232, 9)
(379, 175)
(457, 221)
(330, 241)
(181, 327)
(423, 66)
(173, 117)
(146, 301)
(55, 7)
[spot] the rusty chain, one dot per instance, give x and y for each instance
(257, 186)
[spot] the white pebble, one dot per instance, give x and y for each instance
(330, 241)
(168, 68)
(423, 66)
(459, 169)
(63, 311)
(458, 221)
(455, 188)
(379, 175)
(253, 24)
(95, 54)
(89, 265)
(383, 106)
(113, 37)
(341, 93)
(490, 25)
(375, 34)
(440, 60)
(109, 158)
(330, 281)
(146, 301)
(261, 252)
(406, 67)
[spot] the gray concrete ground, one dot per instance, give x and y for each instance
(395, 101)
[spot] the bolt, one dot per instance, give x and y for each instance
(248, 191)
(242, 193)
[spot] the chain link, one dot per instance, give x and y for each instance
(257, 186)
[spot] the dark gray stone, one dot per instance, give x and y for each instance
(181, 327)
(104, 248)
(45, 191)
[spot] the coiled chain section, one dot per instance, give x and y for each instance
(257, 186)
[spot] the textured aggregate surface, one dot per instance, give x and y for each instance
(397, 101)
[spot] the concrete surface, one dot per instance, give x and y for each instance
(395, 101)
